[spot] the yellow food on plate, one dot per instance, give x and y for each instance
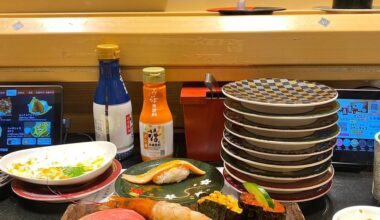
(169, 172)
(37, 168)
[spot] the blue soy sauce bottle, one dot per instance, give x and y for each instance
(112, 106)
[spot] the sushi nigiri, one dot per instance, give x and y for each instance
(169, 172)
(114, 214)
(142, 208)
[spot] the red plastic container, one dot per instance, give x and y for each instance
(204, 123)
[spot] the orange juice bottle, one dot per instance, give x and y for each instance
(156, 121)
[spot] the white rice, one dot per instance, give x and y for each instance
(176, 174)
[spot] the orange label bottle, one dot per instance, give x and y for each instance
(156, 121)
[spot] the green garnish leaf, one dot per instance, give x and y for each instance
(260, 193)
(73, 171)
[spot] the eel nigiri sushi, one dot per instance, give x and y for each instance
(169, 172)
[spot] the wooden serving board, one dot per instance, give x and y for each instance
(293, 211)
(76, 211)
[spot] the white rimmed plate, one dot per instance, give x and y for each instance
(281, 143)
(302, 196)
(60, 194)
(282, 132)
(283, 120)
(279, 95)
(271, 155)
(374, 9)
(358, 213)
(276, 166)
(60, 156)
(275, 177)
(284, 188)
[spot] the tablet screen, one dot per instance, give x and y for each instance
(30, 116)
(359, 121)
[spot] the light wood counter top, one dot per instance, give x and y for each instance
(294, 44)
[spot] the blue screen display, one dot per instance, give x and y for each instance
(27, 118)
(359, 121)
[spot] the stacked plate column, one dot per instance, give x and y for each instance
(280, 134)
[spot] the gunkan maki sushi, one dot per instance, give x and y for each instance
(257, 204)
(220, 207)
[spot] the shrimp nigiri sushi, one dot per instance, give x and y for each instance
(169, 172)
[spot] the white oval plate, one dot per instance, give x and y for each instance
(286, 190)
(272, 167)
(358, 213)
(61, 194)
(61, 155)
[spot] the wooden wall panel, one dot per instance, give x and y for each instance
(202, 40)
(195, 73)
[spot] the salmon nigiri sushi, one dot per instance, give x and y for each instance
(169, 172)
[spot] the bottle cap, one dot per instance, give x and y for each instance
(154, 75)
(108, 51)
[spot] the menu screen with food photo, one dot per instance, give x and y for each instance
(359, 120)
(30, 116)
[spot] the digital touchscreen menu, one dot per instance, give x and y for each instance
(359, 121)
(29, 117)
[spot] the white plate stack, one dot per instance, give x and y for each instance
(280, 134)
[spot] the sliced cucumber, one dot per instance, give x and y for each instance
(260, 193)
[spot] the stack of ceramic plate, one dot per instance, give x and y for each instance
(280, 134)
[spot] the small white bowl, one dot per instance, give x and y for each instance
(358, 213)
(61, 155)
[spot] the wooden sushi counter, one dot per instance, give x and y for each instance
(309, 45)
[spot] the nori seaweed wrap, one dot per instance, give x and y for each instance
(220, 207)
(253, 210)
